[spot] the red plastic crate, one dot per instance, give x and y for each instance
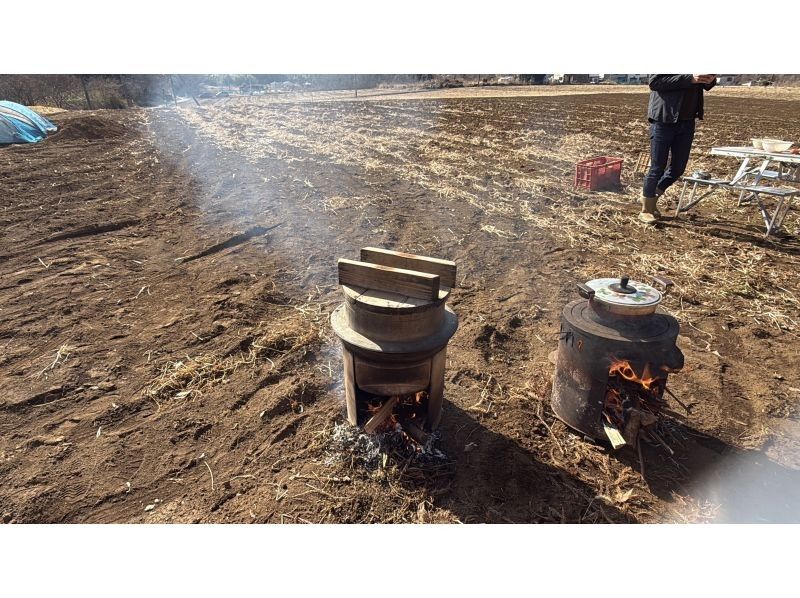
(602, 172)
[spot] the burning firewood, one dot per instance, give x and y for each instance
(413, 430)
(634, 397)
(631, 431)
(381, 415)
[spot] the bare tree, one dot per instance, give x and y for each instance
(19, 88)
(60, 90)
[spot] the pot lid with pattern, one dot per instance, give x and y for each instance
(622, 295)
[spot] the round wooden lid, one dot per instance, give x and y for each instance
(385, 302)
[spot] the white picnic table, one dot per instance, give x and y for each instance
(754, 168)
(788, 164)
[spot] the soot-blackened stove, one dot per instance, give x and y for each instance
(616, 348)
(394, 327)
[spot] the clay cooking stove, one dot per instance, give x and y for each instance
(394, 326)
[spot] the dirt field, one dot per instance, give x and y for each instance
(167, 277)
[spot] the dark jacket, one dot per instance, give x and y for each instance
(666, 96)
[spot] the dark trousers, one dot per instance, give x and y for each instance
(669, 142)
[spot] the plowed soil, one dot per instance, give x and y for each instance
(168, 274)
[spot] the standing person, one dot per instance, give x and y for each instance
(675, 102)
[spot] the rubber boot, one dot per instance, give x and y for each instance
(659, 193)
(648, 215)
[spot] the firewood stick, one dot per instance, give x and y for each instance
(381, 415)
(677, 400)
(641, 457)
(670, 413)
(679, 465)
(413, 430)
(660, 441)
(631, 430)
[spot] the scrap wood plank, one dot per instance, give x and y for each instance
(410, 283)
(614, 436)
(409, 261)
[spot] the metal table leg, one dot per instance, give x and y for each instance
(680, 198)
(694, 199)
(741, 172)
(757, 173)
(772, 221)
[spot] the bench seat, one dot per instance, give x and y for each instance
(772, 219)
(776, 191)
(692, 179)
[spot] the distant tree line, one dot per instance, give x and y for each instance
(97, 91)
(123, 91)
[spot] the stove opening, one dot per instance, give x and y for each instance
(399, 414)
(633, 404)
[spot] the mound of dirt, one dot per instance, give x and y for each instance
(46, 110)
(90, 127)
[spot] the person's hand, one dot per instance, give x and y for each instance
(703, 79)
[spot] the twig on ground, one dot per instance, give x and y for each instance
(677, 400)
(203, 457)
(549, 429)
(484, 396)
(62, 354)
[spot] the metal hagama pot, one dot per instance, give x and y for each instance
(615, 320)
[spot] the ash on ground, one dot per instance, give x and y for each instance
(349, 443)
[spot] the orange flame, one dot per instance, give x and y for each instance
(626, 371)
(411, 406)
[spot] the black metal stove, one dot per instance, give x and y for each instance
(616, 329)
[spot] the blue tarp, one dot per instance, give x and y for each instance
(19, 124)
(9, 132)
(21, 131)
(40, 121)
